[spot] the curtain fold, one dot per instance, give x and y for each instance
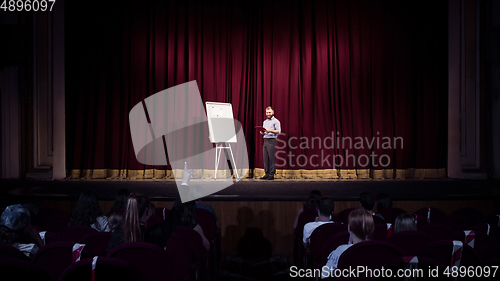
(362, 81)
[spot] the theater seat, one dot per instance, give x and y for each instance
(74, 233)
(473, 215)
(105, 269)
(437, 231)
(55, 257)
(150, 259)
(97, 243)
(372, 254)
(332, 243)
(483, 244)
(307, 216)
(410, 242)
(420, 267)
(8, 251)
(435, 215)
(319, 236)
(390, 214)
(16, 269)
(441, 251)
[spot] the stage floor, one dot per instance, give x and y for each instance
(260, 190)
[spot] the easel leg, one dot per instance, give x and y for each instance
(234, 163)
(217, 157)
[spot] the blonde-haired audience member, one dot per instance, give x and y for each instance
(360, 226)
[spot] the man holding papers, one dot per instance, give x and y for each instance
(272, 127)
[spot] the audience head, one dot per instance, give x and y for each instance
(312, 200)
(367, 201)
(404, 222)
(13, 223)
(116, 220)
(188, 217)
(383, 201)
(121, 199)
(137, 213)
(86, 210)
(15, 217)
(360, 223)
(326, 206)
(196, 192)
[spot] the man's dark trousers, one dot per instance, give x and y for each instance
(269, 153)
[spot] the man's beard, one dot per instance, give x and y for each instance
(269, 117)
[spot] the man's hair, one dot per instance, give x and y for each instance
(269, 107)
(326, 206)
(367, 200)
(404, 222)
(361, 223)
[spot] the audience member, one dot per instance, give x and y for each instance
(87, 212)
(311, 202)
(404, 222)
(254, 246)
(360, 225)
(132, 226)
(120, 203)
(188, 219)
(367, 202)
(16, 230)
(197, 192)
(325, 209)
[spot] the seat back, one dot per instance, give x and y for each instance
(473, 215)
(21, 270)
(193, 240)
(421, 267)
(55, 223)
(306, 216)
(379, 232)
(43, 214)
(320, 235)
(332, 243)
(51, 237)
(437, 231)
(378, 220)
(97, 242)
(390, 214)
(8, 251)
(441, 251)
(105, 269)
(150, 259)
(435, 215)
(74, 233)
(55, 257)
(207, 222)
(410, 242)
(344, 214)
(456, 222)
(158, 217)
(372, 254)
(492, 230)
(483, 244)
(179, 256)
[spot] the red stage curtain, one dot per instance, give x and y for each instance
(370, 70)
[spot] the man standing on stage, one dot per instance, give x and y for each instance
(273, 128)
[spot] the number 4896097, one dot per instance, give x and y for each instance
(27, 5)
